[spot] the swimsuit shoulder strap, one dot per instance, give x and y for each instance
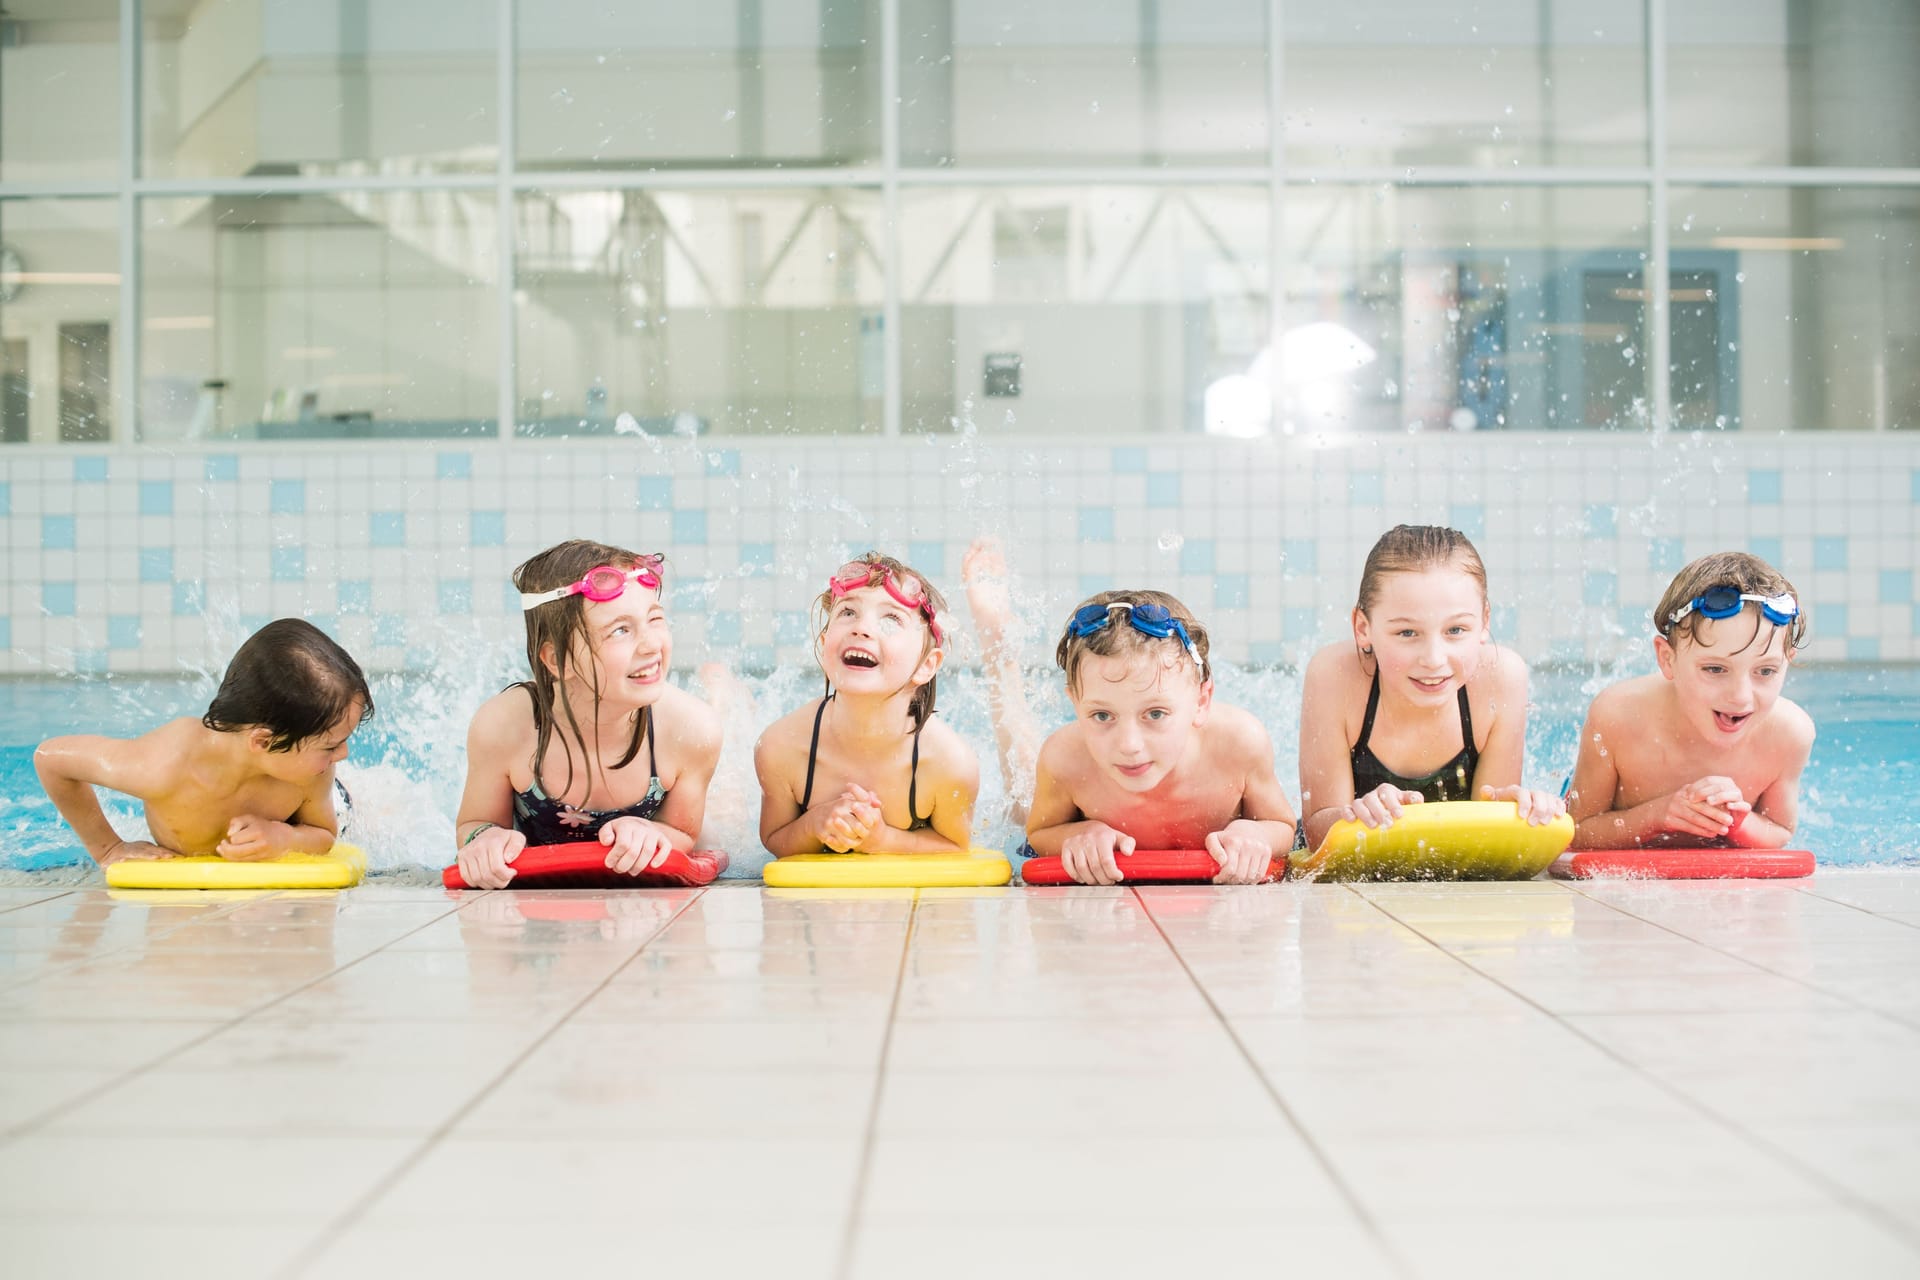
(813, 751)
(1373, 705)
(653, 759)
(913, 777)
(1466, 725)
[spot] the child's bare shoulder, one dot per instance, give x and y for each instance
(1064, 753)
(786, 736)
(689, 719)
(506, 711)
(1336, 662)
(1235, 729)
(950, 754)
(1793, 728)
(1618, 705)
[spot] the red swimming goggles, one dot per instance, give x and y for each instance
(903, 587)
(607, 582)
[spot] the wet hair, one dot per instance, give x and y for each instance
(1415, 548)
(1117, 639)
(291, 679)
(922, 705)
(561, 623)
(1751, 574)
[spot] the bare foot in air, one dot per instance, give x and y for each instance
(726, 692)
(984, 570)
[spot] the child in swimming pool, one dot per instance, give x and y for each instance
(1422, 705)
(597, 745)
(1151, 761)
(253, 778)
(1706, 752)
(867, 769)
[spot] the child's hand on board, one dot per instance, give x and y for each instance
(1709, 808)
(134, 851)
(1537, 808)
(635, 845)
(850, 819)
(486, 861)
(249, 839)
(1380, 807)
(1244, 857)
(1088, 856)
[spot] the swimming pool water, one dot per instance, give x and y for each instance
(1860, 799)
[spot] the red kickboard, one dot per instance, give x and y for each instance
(583, 865)
(1686, 864)
(1147, 866)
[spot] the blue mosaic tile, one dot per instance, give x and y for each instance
(757, 559)
(1096, 524)
(252, 622)
(1763, 486)
(791, 627)
(453, 466)
(123, 631)
(6, 498)
(1863, 649)
(1603, 520)
(1163, 489)
(510, 598)
(1469, 518)
(56, 533)
(724, 628)
(1366, 489)
(387, 528)
(1896, 586)
(929, 556)
(1266, 653)
(187, 600)
(1196, 555)
(1827, 620)
(156, 564)
(1601, 587)
(654, 493)
(757, 658)
(287, 497)
(389, 630)
(722, 462)
(57, 599)
(1505, 623)
(690, 527)
(289, 564)
(91, 662)
(223, 466)
(1772, 550)
(6, 632)
(354, 596)
(1666, 555)
(1300, 555)
(1232, 590)
(1092, 584)
(89, 470)
(688, 595)
(487, 528)
(1298, 625)
(1132, 460)
(1829, 553)
(456, 595)
(1913, 485)
(156, 497)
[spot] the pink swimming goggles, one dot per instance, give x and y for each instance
(903, 587)
(607, 582)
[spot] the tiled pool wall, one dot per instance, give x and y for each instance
(148, 560)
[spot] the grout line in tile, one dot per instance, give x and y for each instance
(1888, 916)
(36, 1122)
(849, 1238)
(34, 902)
(315, 1248)
(1907, 1232)
(1895, 1018)
(1360, 1211)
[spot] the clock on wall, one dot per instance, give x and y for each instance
(12, 268)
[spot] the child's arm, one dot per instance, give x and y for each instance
(1502, 760)
(1055, 827)
(954, 780)
(71, 767)
(1700, 811)
(785, 829)
(1326, 760)
(637, 844)
(1771, 824)
(485, 840)
(1245, 847)
(314, 828)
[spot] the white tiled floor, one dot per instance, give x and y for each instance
(1395, 1080)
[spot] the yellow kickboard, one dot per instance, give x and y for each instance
(1450, 840)
(341, 867)
(888, 870)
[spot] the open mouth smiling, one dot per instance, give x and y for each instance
(860, 659)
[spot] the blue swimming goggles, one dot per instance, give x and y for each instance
(1724, 602)
(1154, 620)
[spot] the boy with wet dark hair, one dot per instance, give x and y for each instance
(1706, 751)
(251, 779)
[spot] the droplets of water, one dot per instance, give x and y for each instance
(1170, 540)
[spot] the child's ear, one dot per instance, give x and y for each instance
(1362, 630)
(1664, 655)
(930, 665)
(1205, 705)
(260, 738)
(546, 659)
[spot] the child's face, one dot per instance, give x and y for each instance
(629, 646)
(312, 758)
(1138, 712)
(1426, 631)
(1726, 678)
(873, 644)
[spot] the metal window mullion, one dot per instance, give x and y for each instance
(505, 81)
(1276, 205)
(126, 352)
(893, 374)
(1659, 275)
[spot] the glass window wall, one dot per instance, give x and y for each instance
(59, 316)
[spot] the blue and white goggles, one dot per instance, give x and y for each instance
(1724, 602)
(1154, 620)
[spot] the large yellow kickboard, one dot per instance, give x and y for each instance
(1451, 840)
(341, 867)
(888, 870)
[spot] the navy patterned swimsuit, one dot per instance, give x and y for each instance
(544, 820)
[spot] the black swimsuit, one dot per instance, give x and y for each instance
(918, 823)
(544, 820)
(1451, 781)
